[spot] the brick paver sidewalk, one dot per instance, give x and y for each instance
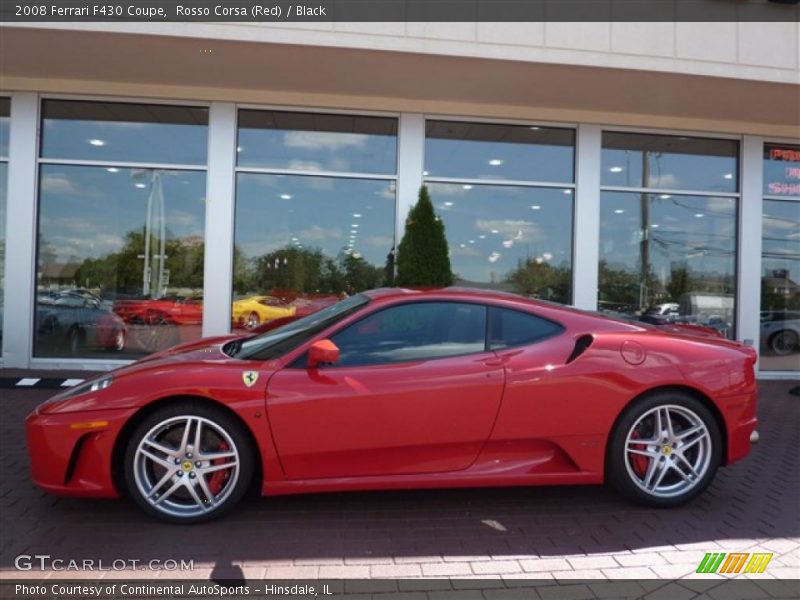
(542, 533)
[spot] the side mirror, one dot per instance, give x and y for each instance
(323, 351)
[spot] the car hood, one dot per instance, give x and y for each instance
(206, 350)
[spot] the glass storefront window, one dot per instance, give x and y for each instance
(782, 170)
(509, 237)
(5, 111)
(300, 141)
(780, 260)
(495, 151)
(124, 132)
(669, 260)
(304, 241)
(514, 237)
(120, 248)
(669, 257)
(669, 162)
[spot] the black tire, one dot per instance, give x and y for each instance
(621, 466)
(220, 418)
(784, 342)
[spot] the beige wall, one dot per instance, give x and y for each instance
(755, 51)
(677, 76)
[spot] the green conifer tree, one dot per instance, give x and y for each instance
(423, 258)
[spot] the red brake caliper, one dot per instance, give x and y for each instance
(218, 478)
(639, 462)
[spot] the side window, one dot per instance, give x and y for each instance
(410, 332)
(509, 328)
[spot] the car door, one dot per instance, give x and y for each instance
(414, 391)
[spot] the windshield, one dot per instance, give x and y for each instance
(278, 342)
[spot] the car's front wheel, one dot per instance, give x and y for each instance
(664, 450)
(188, 462)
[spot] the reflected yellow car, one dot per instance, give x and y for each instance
(251, 312)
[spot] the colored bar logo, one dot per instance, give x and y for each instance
(732, 564)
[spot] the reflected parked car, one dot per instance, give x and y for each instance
(255, 310)
(780, 331)
(75, 320)
(172, 310)
(301, 307)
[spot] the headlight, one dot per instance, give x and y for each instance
(93, 385)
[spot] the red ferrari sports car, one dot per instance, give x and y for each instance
(405, 389)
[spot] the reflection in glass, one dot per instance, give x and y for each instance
(508, 237)
(5, 111)
(669, 162)
(120, 260)
(780, 286)
(781, 170)
(300, 243)
(3, 188)
(669, 258)
(317, 142)
(499, 152)
(125, 132)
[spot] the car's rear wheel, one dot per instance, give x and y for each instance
(664, 450)
(784, 342)
(188, 463)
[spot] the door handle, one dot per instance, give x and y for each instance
(494, 362)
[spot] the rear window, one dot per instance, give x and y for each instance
(509, 328)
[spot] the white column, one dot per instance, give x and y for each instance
(410, 162)
(748, 282)
(586, 241)
(20, 267)
(218, 274)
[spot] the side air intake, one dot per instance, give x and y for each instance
(581, 344)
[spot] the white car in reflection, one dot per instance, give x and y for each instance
(780, 331)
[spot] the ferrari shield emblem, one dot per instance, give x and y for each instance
(250, 378)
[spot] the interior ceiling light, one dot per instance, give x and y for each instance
(467, 186)
(536, 207)
(286, 196)
(728, 176)
(699, 215)
(96, 142)
(616, 169)
(141, 185)
(112, 170)
(619, 211)
(448, 204)
(495, 162)
(356, 215)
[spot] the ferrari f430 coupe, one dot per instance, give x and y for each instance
(405, 389)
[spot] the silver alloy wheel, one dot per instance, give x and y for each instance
(668, 451)
(180, 463)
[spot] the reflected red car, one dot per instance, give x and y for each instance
(175, 310)
(405, 389)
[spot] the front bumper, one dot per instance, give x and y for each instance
(70, 459)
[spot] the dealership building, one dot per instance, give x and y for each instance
(162, 182)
